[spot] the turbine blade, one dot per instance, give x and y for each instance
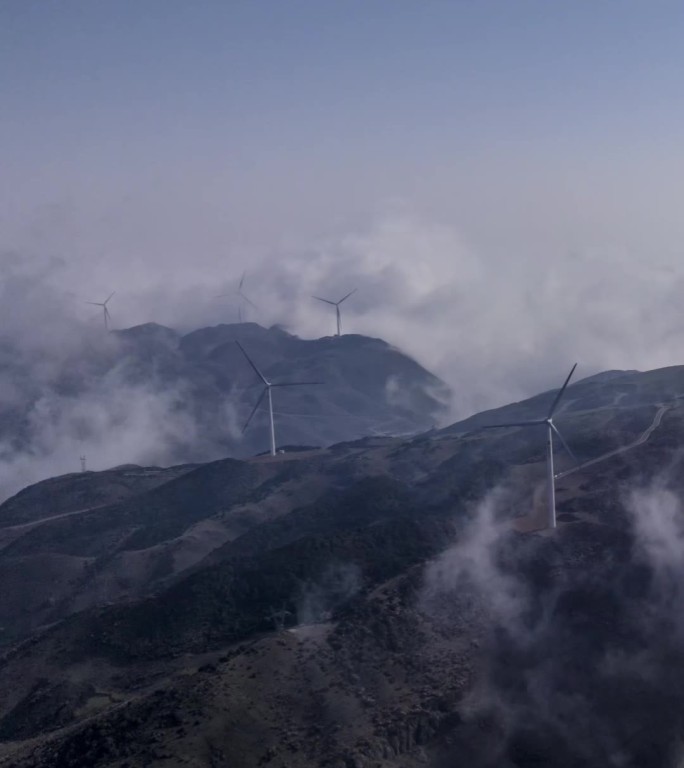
(109, 297)
(94, 303)
(248, 300)
(344, 298)
(249, 360)
(296, 383)
(563, 443)
(254, 410)
(325, 300)
(560, 392)
(513, 424)
(242, 280)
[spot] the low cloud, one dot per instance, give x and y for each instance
(658, 521)
(580, 633)
(495, 330)
(318, 599)
(66, 391)
(472, 567)
(112, 423)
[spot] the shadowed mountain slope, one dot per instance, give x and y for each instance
(374, 603)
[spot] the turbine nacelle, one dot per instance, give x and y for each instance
(336, 304)
(107, 317)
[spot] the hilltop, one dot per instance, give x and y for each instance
(152, 396)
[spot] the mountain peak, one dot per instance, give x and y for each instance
(159, 397)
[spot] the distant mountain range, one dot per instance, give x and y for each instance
(373, 603)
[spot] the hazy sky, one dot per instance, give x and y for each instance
(503, 178)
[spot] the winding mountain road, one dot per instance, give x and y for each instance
(639, 441)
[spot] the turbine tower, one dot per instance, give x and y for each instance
(105, 311)
(336, 304)
(550, 430)
(268, 386)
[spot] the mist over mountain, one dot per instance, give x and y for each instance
(493, 187)
(391, 601)
(151, 395)
(388, 600)
(495, 325)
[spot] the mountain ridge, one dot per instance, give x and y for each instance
(149, 395)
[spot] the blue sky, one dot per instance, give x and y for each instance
(335, 105)
(181, 142)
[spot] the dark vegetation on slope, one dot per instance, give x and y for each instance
(374, 528)
(148, 518)
(83, 490)
(313, 636)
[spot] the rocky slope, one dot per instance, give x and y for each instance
(384, 602)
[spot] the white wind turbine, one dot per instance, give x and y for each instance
(336, 304)
(105, 311)
(242, 297)
(550, 430)
(268, 386)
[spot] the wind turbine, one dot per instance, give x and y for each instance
(241, 297)
(551, 428)
(336, 304)
(103, 304)
(268, 386)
